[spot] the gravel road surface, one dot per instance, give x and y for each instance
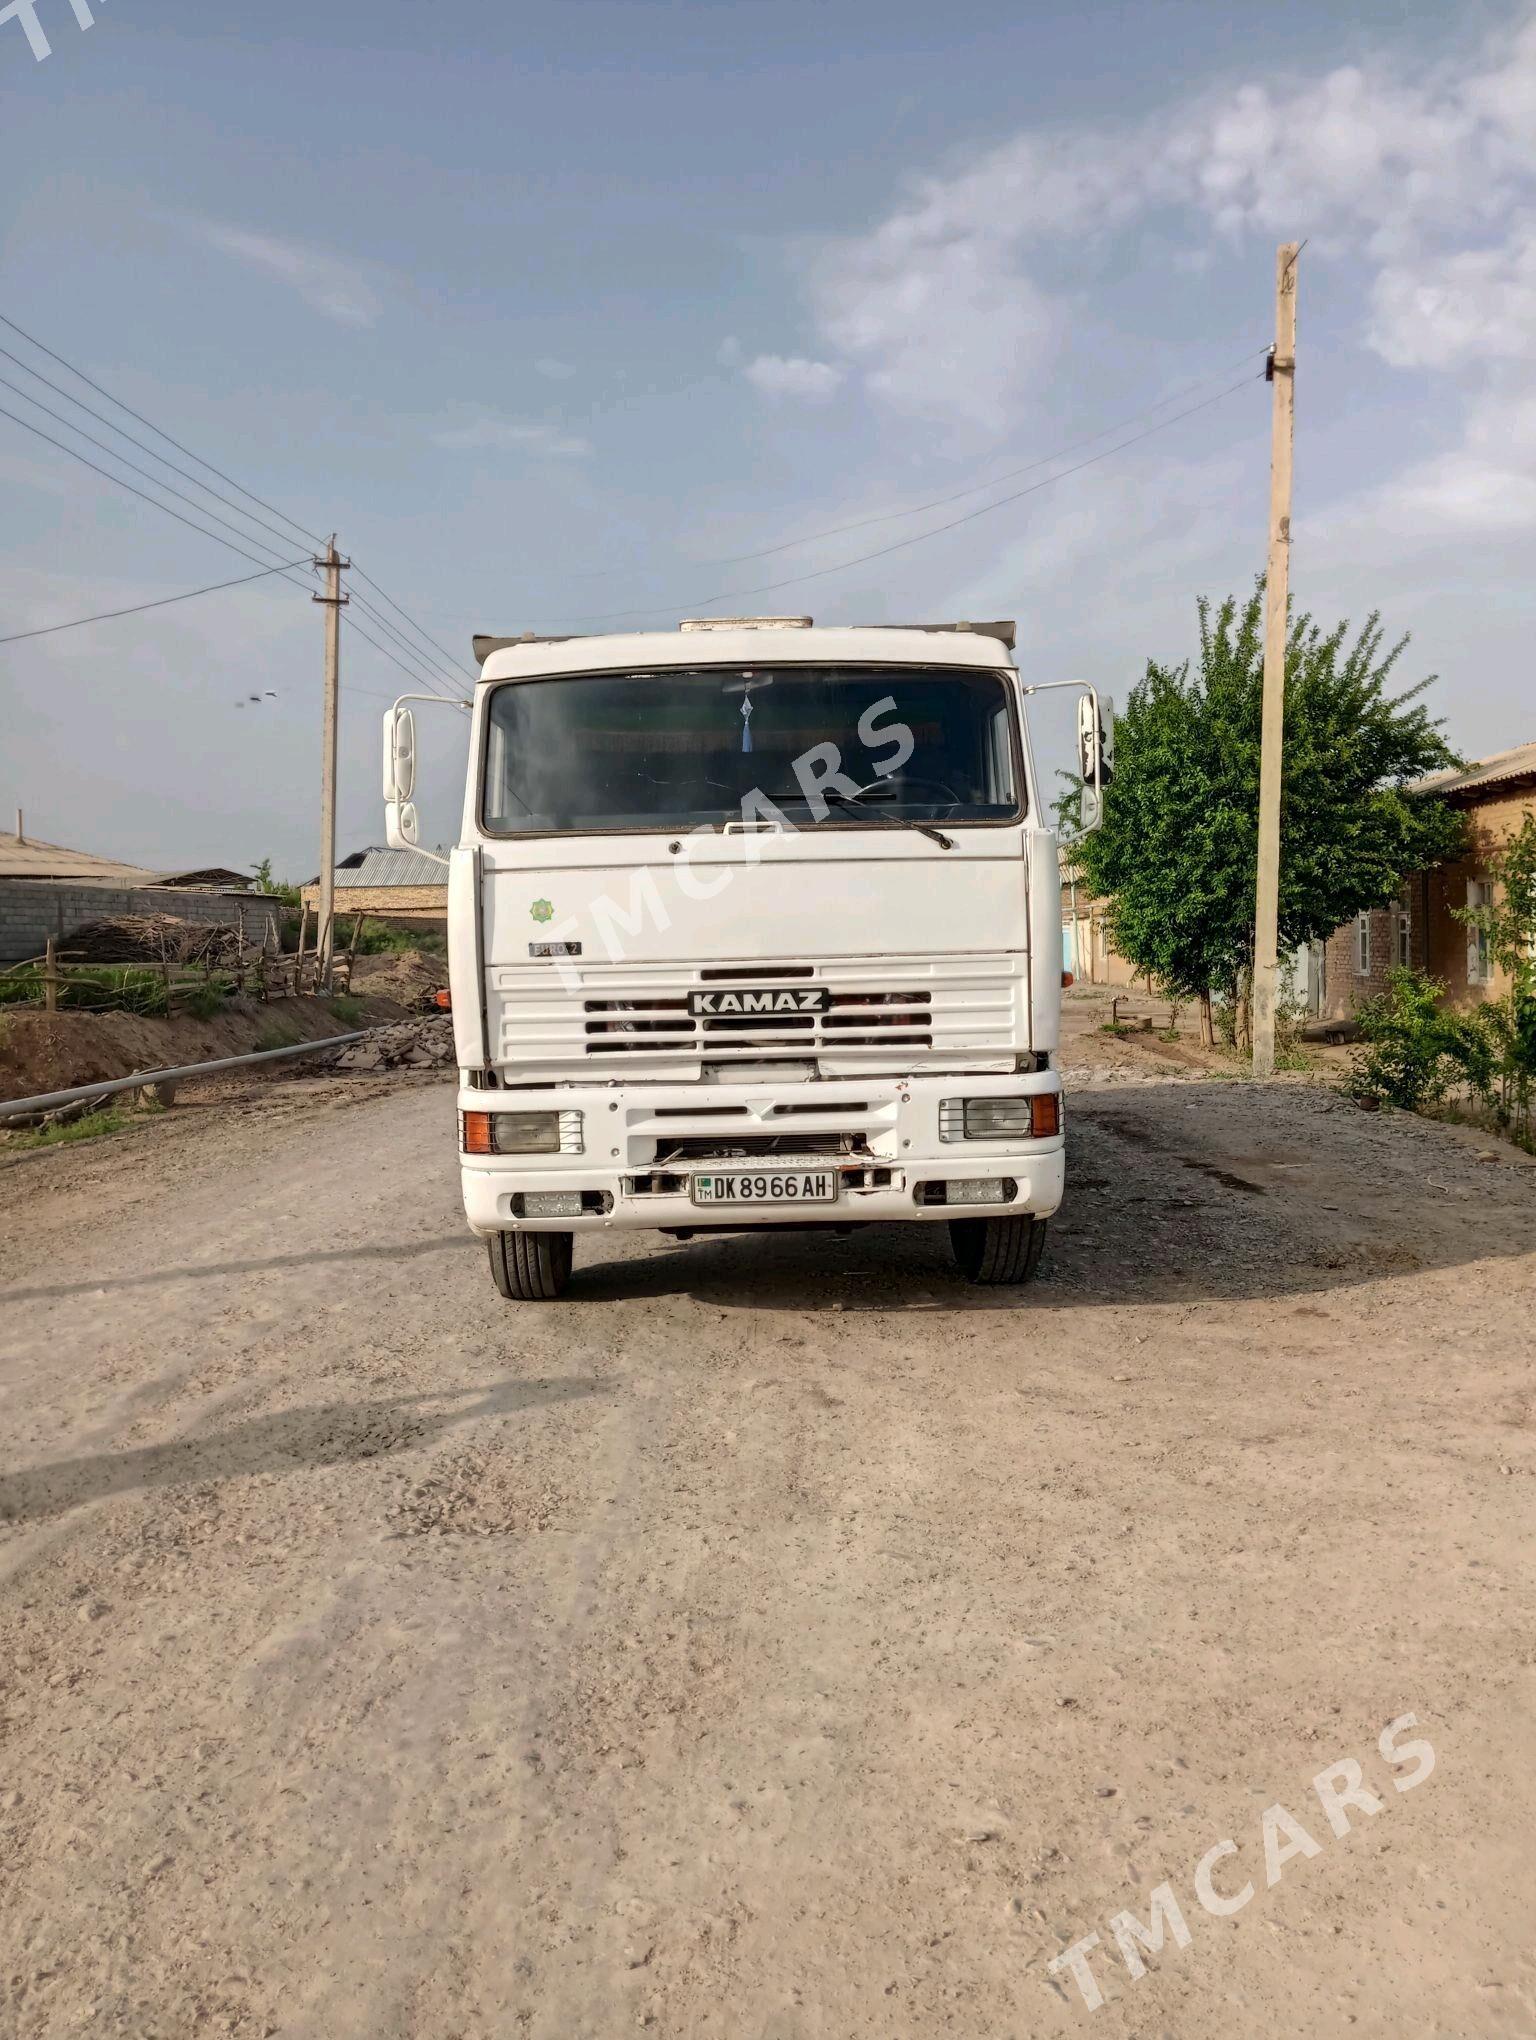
(775, 1639)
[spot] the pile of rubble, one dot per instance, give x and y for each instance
(424, 1044)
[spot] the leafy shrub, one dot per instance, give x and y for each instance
(1406, 1054)
(204, 1000)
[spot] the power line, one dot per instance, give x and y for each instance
(132, 465)
(387, 653)
(373, 584)
(137, 609)
(27, 426)
(159, 433)
(918, 538)
(422, 661)
(283, 537)
(976, 488)
(956, 495)
(283, 568)
(168, 488)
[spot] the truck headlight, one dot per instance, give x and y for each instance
(1036, 1117)
(522, 1133)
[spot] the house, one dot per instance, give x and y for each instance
(47, 890)
(1089, 953)
(404, 885)
(1086, 948)
(1419, 928)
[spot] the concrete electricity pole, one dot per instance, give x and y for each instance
(1277, 589)
(334, 602)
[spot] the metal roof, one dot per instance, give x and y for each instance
(25, 857)
(376, 867)
(1520, 763)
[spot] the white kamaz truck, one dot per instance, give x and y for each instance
(753, 924)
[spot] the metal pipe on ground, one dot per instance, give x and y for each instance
(17, 1108)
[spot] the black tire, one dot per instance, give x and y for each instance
(530, 1267)
(995, 1250)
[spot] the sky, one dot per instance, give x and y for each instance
(589, 315)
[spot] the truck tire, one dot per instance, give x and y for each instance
(530, 1267)
(995, 1250)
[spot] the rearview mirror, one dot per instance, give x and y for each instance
(399, 756)
(401, 829)
(1095, 755)
(1096, 740)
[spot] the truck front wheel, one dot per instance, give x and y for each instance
(530, 1267)
(993, 1250)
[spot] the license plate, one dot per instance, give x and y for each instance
(767, 1186)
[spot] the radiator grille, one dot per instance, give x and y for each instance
(954, 1012)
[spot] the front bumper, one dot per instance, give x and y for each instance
(889, 1127)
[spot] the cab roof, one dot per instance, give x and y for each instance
(742, 641)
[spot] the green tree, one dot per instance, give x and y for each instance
(265, 882)
(1177, 852)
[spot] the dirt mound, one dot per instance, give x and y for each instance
(408, 976)
(42, 1052)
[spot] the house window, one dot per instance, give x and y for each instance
(1362, 945)
(1479, 894)
(1402, 935)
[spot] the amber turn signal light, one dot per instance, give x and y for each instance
(476, 1133)
(443, 1001)
(1066, 979)
(1045, 1114)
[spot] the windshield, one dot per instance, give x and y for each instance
(689, 746)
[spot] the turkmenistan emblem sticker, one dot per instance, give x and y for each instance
(541, 910)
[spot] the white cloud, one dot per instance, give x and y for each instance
(1456, 309)
(937, 305)
(557, 371)
(329, 283)
(948, 310)
(791, 375)
(513, 435)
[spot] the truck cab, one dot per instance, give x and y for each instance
(752, 923)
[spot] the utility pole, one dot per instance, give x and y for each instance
(1277, 590)
(334, 602)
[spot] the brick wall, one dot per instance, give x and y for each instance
(1437, 940)
(1344, 983)
(32, 909)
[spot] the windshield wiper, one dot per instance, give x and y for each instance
(855, 801)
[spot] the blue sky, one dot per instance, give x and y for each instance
(548, 310)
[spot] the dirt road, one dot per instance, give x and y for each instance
(774, 1638)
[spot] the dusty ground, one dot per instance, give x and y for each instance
(775, 1638)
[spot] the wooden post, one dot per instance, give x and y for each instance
(50, 969)
(298, 961)
(334, 602)
(1277, 590)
